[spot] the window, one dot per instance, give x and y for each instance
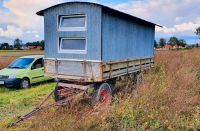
(72, 45)
(72, 22)
(21, 63)
(38, 64)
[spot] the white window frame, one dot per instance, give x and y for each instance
(60, 18)
(60, 50)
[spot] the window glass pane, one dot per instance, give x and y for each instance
(38, 63)
(21, 63)
(73, 44)
(77, 21)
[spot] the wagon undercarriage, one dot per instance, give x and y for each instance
(98, 94)
(98, 89)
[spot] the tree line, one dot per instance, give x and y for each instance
(18, 44)
(173, 41)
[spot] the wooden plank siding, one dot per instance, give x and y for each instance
(92, 34)
(117, 43)
(87, 71)
(84, 71)
(124, 39)
(109, 37)
(119, 68)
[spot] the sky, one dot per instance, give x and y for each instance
(179, 18)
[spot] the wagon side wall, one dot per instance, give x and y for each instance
(81, 71)
(125, 39)
(92, 33)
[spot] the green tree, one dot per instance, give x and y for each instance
(197, 32)
(4, 46)
(162, 42)
(42, 44)
(182, 43)
(173, 41)
(17, 43)
(11, 47)
(36, 43)
(155, 44)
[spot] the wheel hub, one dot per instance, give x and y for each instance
(25, 84)
(104, 98)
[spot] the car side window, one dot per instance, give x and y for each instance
(38, 64)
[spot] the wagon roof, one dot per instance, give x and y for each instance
(106, 8)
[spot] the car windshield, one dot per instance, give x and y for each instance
(21, 63)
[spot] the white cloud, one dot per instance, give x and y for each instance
(24, 12)
(31, 32)
(21, 15)
(11, 31)
(37, 36)
(183, 27)
(179, 17)
(190, 26)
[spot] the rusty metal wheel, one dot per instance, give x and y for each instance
(57, 93)
(102, 96)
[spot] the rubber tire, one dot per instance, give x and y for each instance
(96, 97)
(21, 83)
(56, 95)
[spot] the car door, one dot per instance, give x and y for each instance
(37, 71)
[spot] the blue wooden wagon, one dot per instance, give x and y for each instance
(88, 46)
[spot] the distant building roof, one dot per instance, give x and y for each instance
(168, 46)
(116, 12)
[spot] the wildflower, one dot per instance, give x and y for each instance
(146, 123)
(170, 128)
(166, 121)
(150, 116)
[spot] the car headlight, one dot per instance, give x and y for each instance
(12, 76)
(3, 77)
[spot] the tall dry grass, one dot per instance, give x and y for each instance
(169, 99)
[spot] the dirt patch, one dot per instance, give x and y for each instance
(5, 61)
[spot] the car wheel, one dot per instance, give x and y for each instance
(25, 83)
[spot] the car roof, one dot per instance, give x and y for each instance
(33, 56)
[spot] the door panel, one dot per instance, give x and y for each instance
(37, 75)
(37, 71)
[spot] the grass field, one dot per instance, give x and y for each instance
(7, 56)
(169, 99)
(14, 103)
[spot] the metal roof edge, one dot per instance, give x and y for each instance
(41, 12)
